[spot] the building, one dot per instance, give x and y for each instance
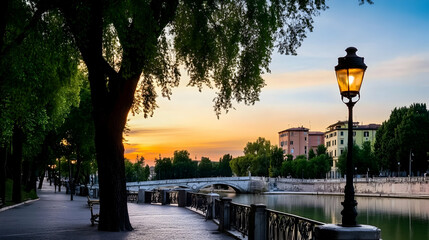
(336, 139)
(298, 141)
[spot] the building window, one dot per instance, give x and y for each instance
(335, 153)
(285, 142)
(335, 143)
(335, 134)
(342, 133)
(291, 142)
(342, 141)
(330, 135)
(281, 143)
(366, 134)
(305, 139)
(341, 151)
(305, 149)
(291, 134)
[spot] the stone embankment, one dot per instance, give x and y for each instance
(416, 187)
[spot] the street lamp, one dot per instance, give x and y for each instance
(71, 181)
(350, 71)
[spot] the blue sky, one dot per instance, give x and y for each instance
(392, 36)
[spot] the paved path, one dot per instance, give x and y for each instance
(54, 216)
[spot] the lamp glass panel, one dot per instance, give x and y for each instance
(351, 80)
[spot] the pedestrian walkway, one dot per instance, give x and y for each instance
(54, 216)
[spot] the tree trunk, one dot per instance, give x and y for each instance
(111, 170)
(41, 178)
(17, 140)
(3, 154)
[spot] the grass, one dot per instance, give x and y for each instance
(24, 194)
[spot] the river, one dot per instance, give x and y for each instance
(398, 218)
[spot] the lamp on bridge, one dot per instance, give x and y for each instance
(350, 71)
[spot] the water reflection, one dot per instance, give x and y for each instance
(398, 219)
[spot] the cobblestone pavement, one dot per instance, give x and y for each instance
(54, 216)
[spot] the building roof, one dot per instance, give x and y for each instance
(371, 126)
(297, 129)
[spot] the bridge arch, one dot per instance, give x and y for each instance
(236, 188)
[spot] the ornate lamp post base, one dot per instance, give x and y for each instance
(336, 232)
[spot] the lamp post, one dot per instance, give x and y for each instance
(350, 71)
(72, 162)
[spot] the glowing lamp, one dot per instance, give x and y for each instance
(350, 71)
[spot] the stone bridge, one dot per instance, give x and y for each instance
(239, 184)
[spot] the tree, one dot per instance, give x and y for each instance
(205, 168)
(38, 84)
(229, 42)
(183, 166)
(164, 169)
(260, 157)
(276, 161)
(406, 131)
(224, 168)
(136, 172)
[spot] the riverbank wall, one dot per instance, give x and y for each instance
(417, 187)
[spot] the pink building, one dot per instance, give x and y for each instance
(298, 141)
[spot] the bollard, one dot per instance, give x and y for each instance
(225, 214)
(258, 222)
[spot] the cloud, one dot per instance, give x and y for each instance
(299, 79)
(404, 66)
(155, 131)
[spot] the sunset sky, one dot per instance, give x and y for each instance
(392, 36)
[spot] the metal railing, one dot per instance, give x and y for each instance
(287, 226)
(240, 217)
(255, 221)
(199, 202)
(132, 197)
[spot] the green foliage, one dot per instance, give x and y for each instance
(260, 158)
(183, 166)
(276, 161)
(25, 195)
(205, 168)
(311, 154)
(315, 167)
(164, 169)
(224, 169)
(136, 172)
(364, 160)
(406, 130)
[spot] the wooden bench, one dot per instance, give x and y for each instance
(94, 217)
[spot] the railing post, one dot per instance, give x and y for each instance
(141, 196)
(211, 210)
(258, 222)
(225, 214)
(164, 197)
(181, 198)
